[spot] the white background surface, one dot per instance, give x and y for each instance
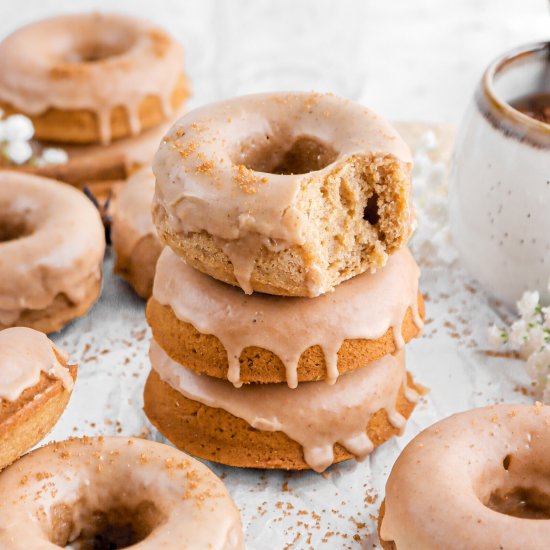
(414, 60)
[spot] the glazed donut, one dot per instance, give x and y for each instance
(51, 250)
(215, 329)
(91, 78)
(283, 193)
(135, 241)
(115, 492)
(477, 479)
(272, 426)
(36, 382)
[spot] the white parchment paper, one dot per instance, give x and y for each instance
(305, 510)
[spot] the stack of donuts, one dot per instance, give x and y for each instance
(285, 295)
(87, 97)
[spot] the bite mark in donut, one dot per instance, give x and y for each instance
(302, 192)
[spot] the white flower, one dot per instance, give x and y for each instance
(437, 175)
(546, 316)
(18, 152)
(534, 341)
(496, 336)
(17, 128)
(528, 303)
(54, 155)
(538, 366)
(421, 169)
(546, 392)
(518, 333)
(428, 141)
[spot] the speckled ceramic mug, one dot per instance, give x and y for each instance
(499, 194)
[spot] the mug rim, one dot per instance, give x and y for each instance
(499, 112)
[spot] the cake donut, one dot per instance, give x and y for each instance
(90, 78)
(115, 492)
(283, 193)
(51, 250)
(135, 241)
(36, 382)
(216, 329)
(477, 479)
(272, 426)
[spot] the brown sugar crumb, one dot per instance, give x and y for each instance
(187, 149)
(199, 127)
(206, 168)
(248, 180)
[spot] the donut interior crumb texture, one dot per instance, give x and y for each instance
(356, 213)
(357, 217)
(24, 422)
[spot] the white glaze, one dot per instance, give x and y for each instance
(41, 67)
(437, 487)
(25, 354)
(204, 185)
(95, 474)
(315, 415)
(364, 307)
(61, 253)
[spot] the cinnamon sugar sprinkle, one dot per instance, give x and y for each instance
(248, 180)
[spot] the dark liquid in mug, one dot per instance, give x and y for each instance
(536, 106)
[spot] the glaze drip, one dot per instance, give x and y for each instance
(25, 354)
(148, 63)
(205, 184)
(61, 252)
(132, 216)
(364, 307)
(315, 415)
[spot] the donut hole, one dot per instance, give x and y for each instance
(281, 154)
(519, 488)
(110, 42)
(114, 528)
(521, 502)
(13, 227)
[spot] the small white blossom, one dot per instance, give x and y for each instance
(18, 152)
(545, 311)
(528, 303)
(518, 333)
(54, 155)
(17, 128)
(534, 341)
(538, 366)
(421, 169)
(496, 336)
(428, 141)
(530, 336)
